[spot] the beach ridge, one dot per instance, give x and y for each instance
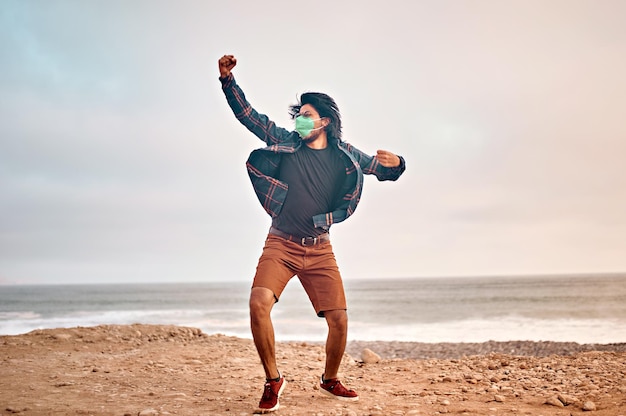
(164, 369)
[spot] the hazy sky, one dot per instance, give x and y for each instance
(120, 160)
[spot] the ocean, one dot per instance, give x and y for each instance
(583, 309)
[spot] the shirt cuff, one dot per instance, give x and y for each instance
(226, 80)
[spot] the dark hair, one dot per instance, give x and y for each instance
(325, 106)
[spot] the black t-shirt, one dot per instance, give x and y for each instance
(315, 178)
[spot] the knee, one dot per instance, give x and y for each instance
(261, 302)
(337, 320)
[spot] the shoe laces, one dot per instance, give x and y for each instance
(268, 393)
(271, 389)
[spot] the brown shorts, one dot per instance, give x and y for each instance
(315, 266)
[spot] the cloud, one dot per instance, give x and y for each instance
(119, 158)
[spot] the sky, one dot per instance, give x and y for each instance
(120, 160)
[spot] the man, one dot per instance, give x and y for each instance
(307, 180)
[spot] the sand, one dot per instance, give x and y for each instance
(169, 370)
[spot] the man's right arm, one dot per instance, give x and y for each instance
(257, 123)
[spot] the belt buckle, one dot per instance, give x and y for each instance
(305, 239)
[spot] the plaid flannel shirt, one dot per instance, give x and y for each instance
(263, 164)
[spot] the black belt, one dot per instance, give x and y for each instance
(303, 241)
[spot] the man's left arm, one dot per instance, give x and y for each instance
(388, 159)
(385, 165)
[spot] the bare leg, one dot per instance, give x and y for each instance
(336, 342)
(261, 304)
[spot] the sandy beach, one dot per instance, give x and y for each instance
(169, 370)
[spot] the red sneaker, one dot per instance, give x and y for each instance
(271, 393)
(335, 389)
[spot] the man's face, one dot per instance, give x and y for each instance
(307, 110)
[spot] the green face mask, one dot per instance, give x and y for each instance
(304, 125)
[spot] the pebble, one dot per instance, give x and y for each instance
(554, 401)
(566, 400)
(589, 406)
(370, 357)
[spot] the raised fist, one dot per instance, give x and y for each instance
(226, 63)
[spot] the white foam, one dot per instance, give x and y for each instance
(583, 331)
(311, 328)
